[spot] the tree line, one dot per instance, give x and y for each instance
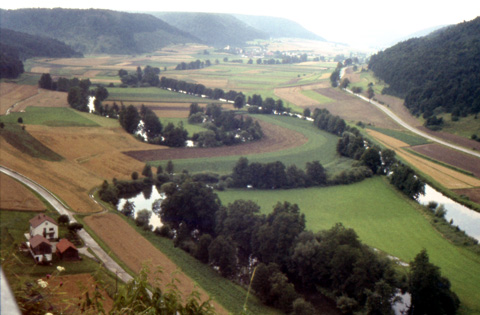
(285, 264)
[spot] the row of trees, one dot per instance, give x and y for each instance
(224, 127)
(378, 161)
(193, 65)
(275, 175)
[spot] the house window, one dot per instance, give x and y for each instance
(51, 229)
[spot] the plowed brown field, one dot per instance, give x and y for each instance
(15, 196)
(275, 138)
(450, 156)
(135, 250)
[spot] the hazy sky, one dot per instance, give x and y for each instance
(356, 22)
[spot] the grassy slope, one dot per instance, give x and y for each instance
(383, 219)
(321, 146)
(50, 116)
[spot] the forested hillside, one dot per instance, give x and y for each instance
(278, 27)
(214, 29)
(96, 31)
(437, 73)
(28, 46)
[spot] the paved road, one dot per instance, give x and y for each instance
(61, 208)
(415, 130)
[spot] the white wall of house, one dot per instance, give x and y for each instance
(46, 226)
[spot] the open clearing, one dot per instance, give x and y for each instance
(15, 196)
(135, 250)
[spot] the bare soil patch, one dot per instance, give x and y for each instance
(450, 156)
(294, 94)
(352, 108)
(70, 290)
(134, 250)
(15, 196)
(275, 138)
(11, 93)
(472, 194)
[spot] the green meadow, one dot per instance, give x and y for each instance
(50, 116)
(383, 219)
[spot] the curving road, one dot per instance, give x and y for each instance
(62, 209)
(412, 129)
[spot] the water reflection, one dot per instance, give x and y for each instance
(144, 200)
(465, 218)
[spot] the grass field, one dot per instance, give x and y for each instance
(320, 146)
(383, 219)
(49, 116)
(317, 97)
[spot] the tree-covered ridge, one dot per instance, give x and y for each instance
(437, 73)
(28, 46)
(215, 29)
(96, 31)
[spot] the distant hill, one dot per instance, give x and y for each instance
(277, 27)
(214, 29)
(435, 73)
(27, 46)
(96, 31)
(420, 33)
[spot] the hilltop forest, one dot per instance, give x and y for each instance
(437, 73)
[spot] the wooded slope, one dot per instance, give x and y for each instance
(436, 73)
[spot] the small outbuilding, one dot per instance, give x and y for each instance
(43, 225)
(41, 249)
(66, 250)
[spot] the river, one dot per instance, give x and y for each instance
(145, 201)
(465, 218)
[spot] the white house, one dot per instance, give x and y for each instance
(45, 226)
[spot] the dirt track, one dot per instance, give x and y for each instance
(275, 138)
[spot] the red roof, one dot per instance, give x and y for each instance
(64, 244)
(37, 240)
(39, 219)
